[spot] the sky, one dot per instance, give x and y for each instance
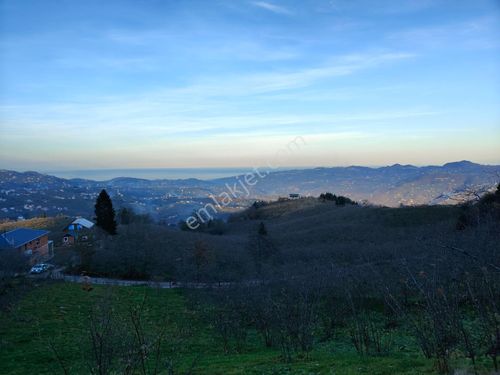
(230, 83)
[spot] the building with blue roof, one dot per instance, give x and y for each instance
(31, 242)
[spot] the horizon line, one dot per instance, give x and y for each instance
(289, 167)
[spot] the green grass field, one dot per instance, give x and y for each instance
(57, 314)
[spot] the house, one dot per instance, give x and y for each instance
(33, 243)
(294, 196)
(79, 230)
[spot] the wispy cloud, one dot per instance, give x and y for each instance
(408, 6)
(214, 104)
(272, 7)
(478, 33)
(119, 121)
(337, 67)
(115, 63)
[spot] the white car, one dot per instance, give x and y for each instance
(41, 268)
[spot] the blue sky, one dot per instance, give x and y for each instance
(228, 83)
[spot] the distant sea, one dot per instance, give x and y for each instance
(151, 173)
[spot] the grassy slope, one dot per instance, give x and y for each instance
(60, 311)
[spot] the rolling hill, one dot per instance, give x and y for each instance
(31, 194)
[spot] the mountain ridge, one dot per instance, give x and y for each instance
(454, 164)
(32, 193)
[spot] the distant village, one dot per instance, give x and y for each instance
(26, 199)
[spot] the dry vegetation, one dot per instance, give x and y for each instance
(52, 224)
(308, 274)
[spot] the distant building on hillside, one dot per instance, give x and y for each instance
(294, 196)
(33, 243)
(79, 230)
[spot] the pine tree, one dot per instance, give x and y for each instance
(124, 216)
(262, 229)
(105, 213)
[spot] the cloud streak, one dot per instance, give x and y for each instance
(272, 7)
(202, 99)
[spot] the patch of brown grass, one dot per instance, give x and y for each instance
(49, 223)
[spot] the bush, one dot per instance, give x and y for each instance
(339, 200)
(487, 208)
(213, 226)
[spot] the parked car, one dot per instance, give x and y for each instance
(41, 268)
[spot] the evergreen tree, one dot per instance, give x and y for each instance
(262, 229)
(105, 213)
(124, 216)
